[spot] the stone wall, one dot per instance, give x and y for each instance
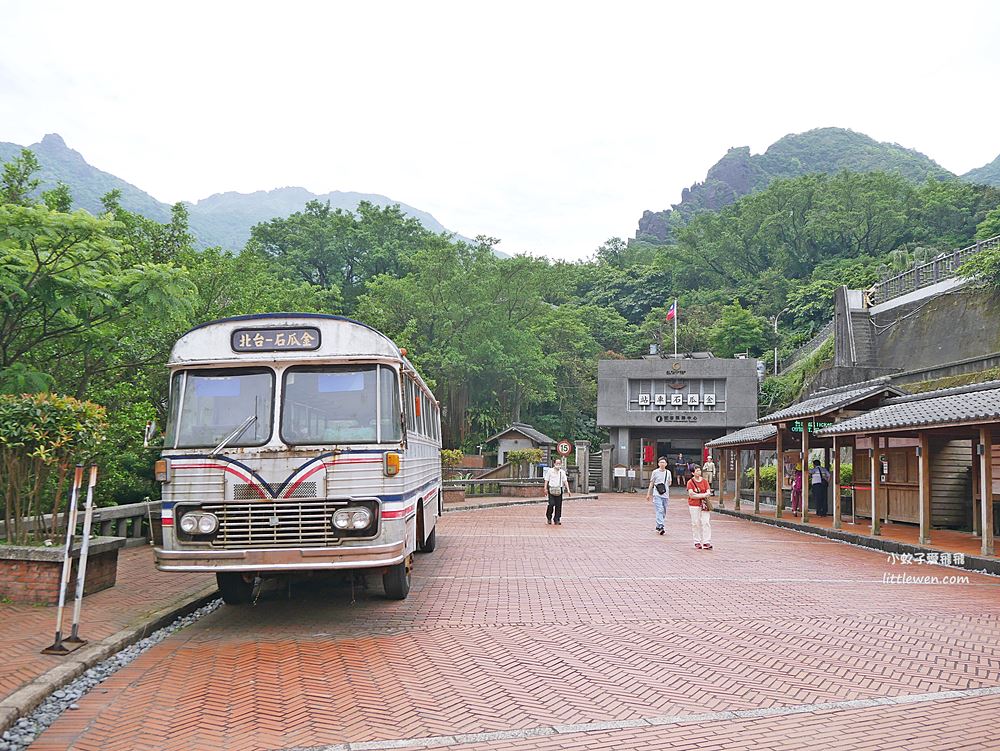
(955, 326)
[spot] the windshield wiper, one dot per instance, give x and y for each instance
(234, 435)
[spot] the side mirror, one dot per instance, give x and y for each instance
(149, 433)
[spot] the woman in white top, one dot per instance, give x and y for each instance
(556, 485)
(659, 492)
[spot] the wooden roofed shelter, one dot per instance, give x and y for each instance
(917, 448)
(754, 438)
(792, 433)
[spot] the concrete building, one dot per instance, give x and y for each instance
(522, 436)
(674, 404)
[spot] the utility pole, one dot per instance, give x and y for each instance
(776, 317)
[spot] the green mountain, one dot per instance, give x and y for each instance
(59, 163)
(825, 150)
(988, 174)
(223, 219)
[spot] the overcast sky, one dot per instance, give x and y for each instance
(549, 125)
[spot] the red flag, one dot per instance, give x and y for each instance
(672, 311)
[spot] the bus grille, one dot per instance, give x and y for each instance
(245, 491)
(282, 523)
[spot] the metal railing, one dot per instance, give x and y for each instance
(943, 266)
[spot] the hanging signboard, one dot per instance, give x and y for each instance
(796, 426)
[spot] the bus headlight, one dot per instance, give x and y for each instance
(352, 518)
(207, 524)
(199, 523)
(189, 523)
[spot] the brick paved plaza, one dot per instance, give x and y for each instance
(598, 634)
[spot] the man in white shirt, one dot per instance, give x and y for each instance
(659, 492)
(819, 484)
(556, 486)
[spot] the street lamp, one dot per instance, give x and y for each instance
(776, 317)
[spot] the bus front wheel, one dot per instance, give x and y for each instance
(234, 587)
(396, 581)
(430, 543)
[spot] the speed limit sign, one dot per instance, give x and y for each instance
(564, 447)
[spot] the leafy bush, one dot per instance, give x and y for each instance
(768, 477)
(451, 457)
(520, 457)
(41, 434)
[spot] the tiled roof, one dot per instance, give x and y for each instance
(749, 435)
(829, 401)
(535, 435)
(961, 405)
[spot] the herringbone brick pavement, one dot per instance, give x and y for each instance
(514, 626)
(26, 629)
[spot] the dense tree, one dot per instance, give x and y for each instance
(84, 299)
(738, 330)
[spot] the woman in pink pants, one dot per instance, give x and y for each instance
(797, 490)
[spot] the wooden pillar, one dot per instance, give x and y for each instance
(924, 487)
(739, 476)
(976, 471)
(806, 488)
(829, 487)
(837, 521)
(876, 467)
(756, 481)
(986, 488)
(722, 477)
(779, 479)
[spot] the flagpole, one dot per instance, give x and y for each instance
(675, 327)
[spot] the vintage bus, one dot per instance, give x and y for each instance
(296, 442)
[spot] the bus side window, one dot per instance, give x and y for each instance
(408, 398)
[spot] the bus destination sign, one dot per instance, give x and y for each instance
(275, 340)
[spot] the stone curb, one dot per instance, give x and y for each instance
(22, 701)
(522, 502)
(972, 562)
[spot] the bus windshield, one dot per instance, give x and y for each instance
(340, 404)
(208, 405)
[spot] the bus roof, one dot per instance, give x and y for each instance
(253, 338)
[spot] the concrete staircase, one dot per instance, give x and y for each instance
(864, 337)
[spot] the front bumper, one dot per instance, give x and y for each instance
(282, 559)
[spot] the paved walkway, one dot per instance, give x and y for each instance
(942, 540)
(141, 590)
(599, 634)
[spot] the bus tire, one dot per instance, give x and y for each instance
(396, 581)
(235, 590)
(430, 543)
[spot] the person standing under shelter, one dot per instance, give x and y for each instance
(708, 472)
(797, 490)
(819, 487)
(659, 492)
(556, 485)
(701, 510)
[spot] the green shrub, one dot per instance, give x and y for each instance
(41, 437)
(451, 457)
(768, 477)
(520, 457)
